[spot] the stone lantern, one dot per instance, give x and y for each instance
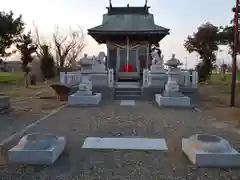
(174, 73)
(172, 96)
(85, 87)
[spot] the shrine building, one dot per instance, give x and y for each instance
(128, 33)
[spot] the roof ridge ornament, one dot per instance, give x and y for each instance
(110, 3)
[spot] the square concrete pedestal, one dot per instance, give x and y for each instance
(207, 159)
(20, 154)
(76, 99)
(167, 101)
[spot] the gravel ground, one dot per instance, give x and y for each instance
(25, 112)
(111, 120)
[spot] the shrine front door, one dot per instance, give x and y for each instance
(127, 63)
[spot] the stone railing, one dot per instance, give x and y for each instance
(110, 77)
(190, 78)
(146, 77)
(70, 78)
(187, 78)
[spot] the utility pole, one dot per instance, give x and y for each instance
(234, 62)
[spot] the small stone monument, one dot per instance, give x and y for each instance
(207, 150)
(37, 148)
(171, 95)
(98, 63)
(84, 95)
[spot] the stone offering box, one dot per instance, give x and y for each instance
(62, 91)
(79, 99)
(37, 148)
(210, 151)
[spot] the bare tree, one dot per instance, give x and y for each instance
(40, 43)
(45, 55)
(68, 47)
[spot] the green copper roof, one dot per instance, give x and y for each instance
(121, 19)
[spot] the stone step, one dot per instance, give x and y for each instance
(128, 93)
(128, 97)
(127, 86)
(127, 89)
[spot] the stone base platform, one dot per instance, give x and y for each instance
(76, 99)
(23, 155)
(166, 101)
(207, 159)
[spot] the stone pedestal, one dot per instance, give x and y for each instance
(84, 95)
(210, 151)
(157, 68)
(78, 99)
(37, 149)
(172, 101)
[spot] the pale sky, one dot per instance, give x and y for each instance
(182, 17)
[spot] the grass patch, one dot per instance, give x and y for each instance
(221, 84)
(22, 91)
(7, 77)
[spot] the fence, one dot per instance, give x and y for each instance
(72, 78)
(190, 78)
(187, 78)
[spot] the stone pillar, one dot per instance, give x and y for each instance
(147, 56)
(110, 77)
(187, 78)
(145, 78)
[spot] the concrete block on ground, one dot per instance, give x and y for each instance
(76, 99)
(168, 101)
(125, 143)
(34, 150)
(127, 103)
(210, 151)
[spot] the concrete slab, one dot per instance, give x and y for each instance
(127, 103)
(76, 99)
(42, 152)
(202, 158)
(163, 101)
(125, 143)
(127, 86)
